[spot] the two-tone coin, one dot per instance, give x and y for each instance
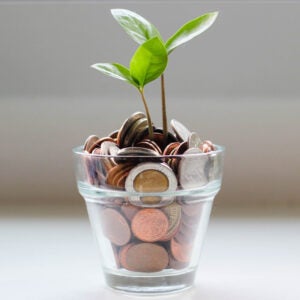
(152, 178)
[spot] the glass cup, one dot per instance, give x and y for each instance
(149, 215)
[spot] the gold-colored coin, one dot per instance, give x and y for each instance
(150, 178)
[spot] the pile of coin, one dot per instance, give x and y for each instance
(128, 148)
(151, 239)
(150, 230)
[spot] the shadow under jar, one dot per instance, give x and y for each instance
(149, 215)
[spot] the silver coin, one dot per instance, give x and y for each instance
(192, 170)
(153, 179)
(107, 146)
(89, 142)
(181, 132)
(194, 140)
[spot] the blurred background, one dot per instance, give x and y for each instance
(237, 85)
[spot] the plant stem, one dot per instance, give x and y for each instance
(147, 114)
(164, 108)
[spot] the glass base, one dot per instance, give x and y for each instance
(155, 284)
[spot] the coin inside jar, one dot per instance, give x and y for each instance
(151, 178)
(144, 257)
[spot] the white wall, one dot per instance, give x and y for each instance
(237, 85)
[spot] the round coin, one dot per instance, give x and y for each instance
(151, 178)
(144, 257)
(129, 211)
(194, 140)
(115, 227)
(126, 126)
(150, 225)
(192, 169)
(180, 252)
(89, 142)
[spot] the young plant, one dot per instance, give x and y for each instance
(147, 63)
(150, 59)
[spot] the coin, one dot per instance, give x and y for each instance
(115, 173)
(181, 132)
(173, 213)
(194, 140)
(180, 252)
(129, 210)
(175, 264)
(136, 128)
(89, 142)
(150, 224)
(150, 177)
(144, 257)
(149, 144)
(207, 146)
(170, 147)
(109, 147)
(126, 126)
(136, 155)
(98, 143)
(115, 227)
(114, 134)
(192, 169)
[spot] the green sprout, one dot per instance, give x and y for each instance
(151, 57)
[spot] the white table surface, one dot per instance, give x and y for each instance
(49, 253)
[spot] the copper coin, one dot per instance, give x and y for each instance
(115, 227)
(129, 210)
(114, 172)
(148, 144)
(180, 252)
(150, 225)
(175, 264)
(144, 257)
(170, 147)
(89, 142)
(173, 213)
(98, 143)
(123, 254)
(184, 237)
(114, 134)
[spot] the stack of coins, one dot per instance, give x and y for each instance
(151, 230)
(151, 239)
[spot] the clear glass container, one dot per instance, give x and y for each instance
(149, 215)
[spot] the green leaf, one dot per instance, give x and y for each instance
(115, 70)
(148, 62)
(135, 25)
(190, 30)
